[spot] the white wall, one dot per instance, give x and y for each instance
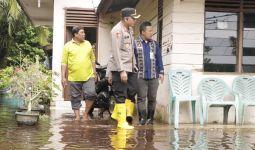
(184, 33)
(105, 25)
(58, 34)
(187, 34)
(148, 10)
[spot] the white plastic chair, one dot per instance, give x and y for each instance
(180, 82)
(244, 91)
(212, 92)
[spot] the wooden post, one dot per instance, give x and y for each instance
(240, 40)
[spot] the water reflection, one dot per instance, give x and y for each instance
(88, 134)
(122, 139)
(60, 132)
(220, 138)
(145, 139)
(15, 137)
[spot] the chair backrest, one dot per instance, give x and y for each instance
(245, 86)
(214, 89)
(180, 82)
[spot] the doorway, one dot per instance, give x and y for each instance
(85, 18)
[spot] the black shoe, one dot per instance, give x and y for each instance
(142, 116)
(150, 117)
(142, 121)
(149, 122)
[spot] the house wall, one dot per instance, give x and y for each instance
(59, 37)
(105, 25)
(182, 48)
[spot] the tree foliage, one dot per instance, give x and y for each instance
(19, 39)
(32, 83)
(26, 46)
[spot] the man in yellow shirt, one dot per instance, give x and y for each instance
(78, 60)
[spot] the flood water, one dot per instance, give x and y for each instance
(60, 132)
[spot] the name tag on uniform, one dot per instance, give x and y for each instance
(152, 55)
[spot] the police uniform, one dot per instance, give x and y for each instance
(123, 60)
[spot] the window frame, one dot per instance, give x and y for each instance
(160, 22)
(240, 7)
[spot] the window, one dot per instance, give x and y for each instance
(86, 18)
(249, 43)
(229, 44)
(220, 41)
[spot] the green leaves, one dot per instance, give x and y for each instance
(42, 35)
(26, 46)
(5, 77)
(18, 38)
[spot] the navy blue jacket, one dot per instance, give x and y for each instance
(147, 61)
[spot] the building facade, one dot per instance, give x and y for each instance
(211, 38)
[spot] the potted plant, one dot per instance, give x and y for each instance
(33, 85)
(5, 78)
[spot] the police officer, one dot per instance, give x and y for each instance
(122, 65)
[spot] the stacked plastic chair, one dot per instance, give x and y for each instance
(244, 91)
(212, 92)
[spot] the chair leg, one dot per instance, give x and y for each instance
(240, 113)
(206, 113)
(225, 117)
(243, 113)
(171, 116)
(193, 103)
(176, 114)
(237, 121)
(201, 111)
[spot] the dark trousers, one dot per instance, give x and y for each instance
(121, 90)
(147, 89)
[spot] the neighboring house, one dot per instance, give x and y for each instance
(210, 37)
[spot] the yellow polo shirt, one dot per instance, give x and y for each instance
(78, 57)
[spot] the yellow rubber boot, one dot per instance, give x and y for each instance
(121, 115)
(114, 113)
(130, 110)
(130, 107)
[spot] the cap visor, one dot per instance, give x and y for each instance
(136, 16)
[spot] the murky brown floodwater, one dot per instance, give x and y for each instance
(60, 132)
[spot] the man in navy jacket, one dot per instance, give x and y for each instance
(150, 71)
